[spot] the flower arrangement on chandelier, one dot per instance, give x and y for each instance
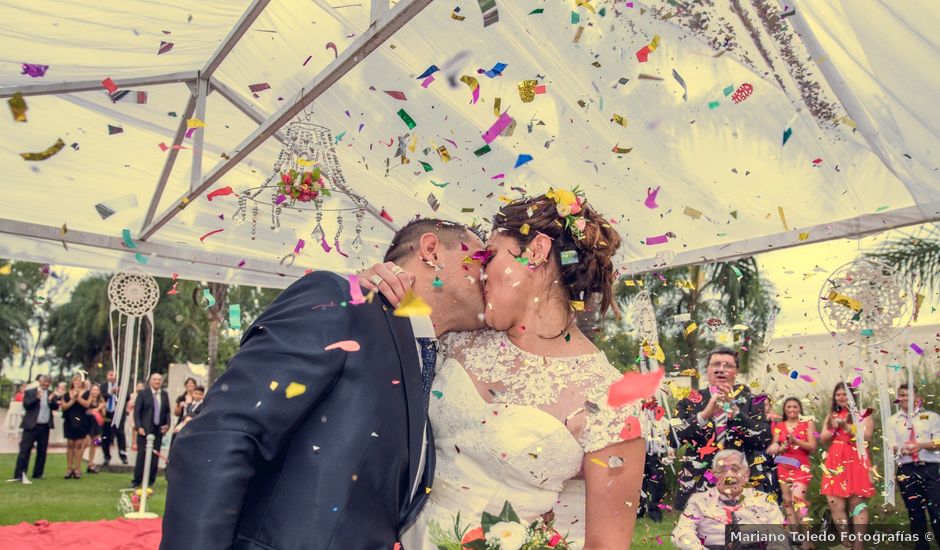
(568, 204)
(302, 186)
(503, 532)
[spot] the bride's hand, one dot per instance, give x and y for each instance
(393, 286)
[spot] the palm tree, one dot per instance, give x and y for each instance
(916, 257)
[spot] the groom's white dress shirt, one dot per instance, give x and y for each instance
(422, 327)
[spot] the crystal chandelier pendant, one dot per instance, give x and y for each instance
(318, 234)
(240, 214)
(357, 245)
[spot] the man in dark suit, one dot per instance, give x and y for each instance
(316, 437)
(38, 402)
(109, 391)
(720, 417)
(151, 416)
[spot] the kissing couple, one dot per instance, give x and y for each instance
(344, 423)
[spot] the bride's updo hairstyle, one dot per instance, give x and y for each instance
(583, 242)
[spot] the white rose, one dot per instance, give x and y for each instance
(509, 535)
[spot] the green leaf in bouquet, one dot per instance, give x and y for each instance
(508, 514)
(478, 544)
(488, 520)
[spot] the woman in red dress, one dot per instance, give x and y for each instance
(846, 477)
(793, 441)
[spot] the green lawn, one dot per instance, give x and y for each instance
(96, 496)
(91, 498)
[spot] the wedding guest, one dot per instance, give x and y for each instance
(129, 413)
(74, 405)
(94, 422)
(110, 390)
(915, 435)
(18, 396)
(658, 452)
(710, 514)
(184, 399)
(193, 408)
(151, 416)
(846, 477)
(720, 417)
(794, 441)
(38, 404)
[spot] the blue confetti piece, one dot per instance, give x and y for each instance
(786, 135)
(428, 72)
(339, 137)
(523, 159)
(497, 70)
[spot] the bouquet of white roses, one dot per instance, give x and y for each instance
(503, 532)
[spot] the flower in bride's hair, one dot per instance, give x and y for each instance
(509, 535)
(566, 202)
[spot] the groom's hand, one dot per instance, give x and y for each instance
(394, 284)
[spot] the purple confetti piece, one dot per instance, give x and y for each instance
(189, 132)
(299, 246)
(710, 477)
(788, 460)
(241, 263)
(427, 81)
(340, 250)
(326, 247)
(361, 126)
(917, 349)
(857, 382)
(255, 88)
(34, 70)
(280, 199)
(497, 128)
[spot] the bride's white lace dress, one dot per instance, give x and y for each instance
(513, 426)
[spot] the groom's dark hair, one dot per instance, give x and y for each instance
(405, 241)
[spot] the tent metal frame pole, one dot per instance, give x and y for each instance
(170, 252)
(56, 88)
(379, 7)
(232, 97)
(199, 135)
(850, 228)
(170, 161)
(230, 41)
(376, 35)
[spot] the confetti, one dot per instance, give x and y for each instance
(621, 150)
(406, 118)
(569, 257)
(299, 246)
(619, 120)
(633, 386)
(786, 135)
(490, 13)
(658, 239)
(783, 218)
(858, 509)
(681, 81)
(141, 98)
(255, 88)
(345, 345)
(691, 328)
(33, 70)
(128, 242)
(743, 92)
(537, 11)
(235, 316)
(195, 123)
(454, 16)
(208, 297)
(474, 85)
(441, 185)
(18, 107)
(109, 85)
(6, 269)
(355, 291)
(651, 198)
(332, 46)
(385, 215)
(427, 167)
(482, 151)
(527, 90)
(714, 104)
(433, 202)
(110, 207)
(631, 429)
(497, 70)
(428, 72)
(294, 389)
(692, 212)
(917, 349)
(412, 306)
(43, 155)
(220, 192)
(112, 130)
(165, 47)
(141, 259)
(397, 95)
(209, 234)
(501, 124)
(643, 54)
(522, 159)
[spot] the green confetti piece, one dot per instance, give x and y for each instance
(128, 242)
(728, 90)
(235, 316)
(737, 272)
(427, 167)
(466, 210)
(482, 150)
(575, 18)
(441, 185)
(569, 257)
(208, 297)
(437, 393)
(141, 259)
(858, 509)
(868, 332)
(713, 104)
(406, 118)
(339, 137)
(602, 12)
(536, 10)
(880, 208)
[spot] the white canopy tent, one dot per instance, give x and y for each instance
(855, 82)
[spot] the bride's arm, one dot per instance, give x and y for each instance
(612, 495)
(393, 287)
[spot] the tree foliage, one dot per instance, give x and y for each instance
(20, 295)
(916, 257)
(78, 330)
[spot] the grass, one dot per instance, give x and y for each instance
(91, 498)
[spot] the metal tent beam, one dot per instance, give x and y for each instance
(170, 161)
(378, 33)
(850, 228)
(199, 136)
(240, 28)
(92, 85)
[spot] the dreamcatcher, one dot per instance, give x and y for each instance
(133, 296)
(864, 303)
(306, 177)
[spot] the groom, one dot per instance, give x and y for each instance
(303, 446)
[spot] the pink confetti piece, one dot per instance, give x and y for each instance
(141, 98)
(651, 198)
(498, 176)
(332, 46)
(165, 47)
(299, 246)
(255, 88)
(355, 291)
(540, 89)
(497, 128)
(658, 239)
(807, 377)
(917, 349)
(817, 162)
(710, 477)
(643, 55)
(397, 95)
(427, 81)
(857, 382)
(339, 250)
(209, 234)
(241, 263)
(345, 345)
(634, 386)
(190, 131)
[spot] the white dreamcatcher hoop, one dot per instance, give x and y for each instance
(645, 318)
(133, 296)
(862, 303)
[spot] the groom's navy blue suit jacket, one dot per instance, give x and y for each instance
(301, 448)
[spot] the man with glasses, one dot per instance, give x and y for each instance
(722, 416)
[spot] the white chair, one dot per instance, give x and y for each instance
(14, 418)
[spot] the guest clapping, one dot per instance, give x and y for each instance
(794, 441)
(846, 477)
(74, 405)
(184, 399)
(94, 421)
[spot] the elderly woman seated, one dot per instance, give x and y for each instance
(729, 504)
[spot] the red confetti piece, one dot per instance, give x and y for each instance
(164, 47)
(397, 95)
(634, 386)
(173, 290)
(109, 85)
(385, 216)
(541, 89)
(220, 192)
(209, 234)
(817, 162)
(643, 55)
(695, 396)
(742, 93)
(631, 429)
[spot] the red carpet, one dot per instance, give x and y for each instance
(115, 534)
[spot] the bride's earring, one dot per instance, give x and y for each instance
(535, 262)
(433, 265)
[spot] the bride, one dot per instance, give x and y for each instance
(520, 408)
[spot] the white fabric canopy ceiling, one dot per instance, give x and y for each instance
(858, 92)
